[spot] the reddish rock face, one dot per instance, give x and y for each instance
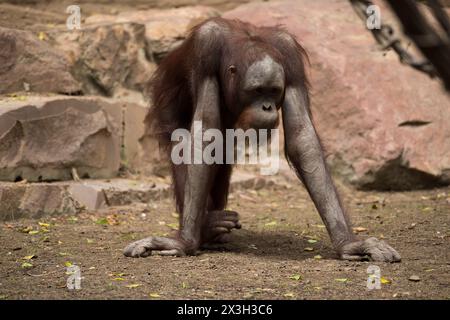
(27, 63)
(383, 125)
(46, 138)
(105, 57)
(164, 29)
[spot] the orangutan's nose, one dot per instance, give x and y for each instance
(267, 107)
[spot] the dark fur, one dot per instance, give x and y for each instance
(175, 85)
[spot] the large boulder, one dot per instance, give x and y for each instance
(141, 151)
(27, 62)
(58, 138)
(105, 57)
(384, 125)
(164, 29)
(33, 200)
(20, 200)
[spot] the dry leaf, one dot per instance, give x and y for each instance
(270, 224)
(119, 279)
(112, 220)
(384, 280)
(296, 277)
(42, 36)
(26, 229)
(173, 226)
(289, 295)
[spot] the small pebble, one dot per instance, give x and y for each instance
(414, 278)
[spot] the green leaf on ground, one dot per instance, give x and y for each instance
(173, 226)
(296, 277)
(72, 219)
(270, 224)
(102, 221)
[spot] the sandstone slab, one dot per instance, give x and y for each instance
(46, 138)
(22, 201)
(106, 56)
(34, 200)
(30, 64)
(164, 29)
(141, 151)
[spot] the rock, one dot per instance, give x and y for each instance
(141, 151)
(414, 278)
(134, 130)
(43, 138)
(27, 18)
(90, 197)
(243, 179)
(107, 56)
(34, 200)
(119, 192)
(383, 125)
(27, 201)
(164, 29)
(112, 56)
(24, 59)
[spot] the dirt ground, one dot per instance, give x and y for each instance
(282, 252)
